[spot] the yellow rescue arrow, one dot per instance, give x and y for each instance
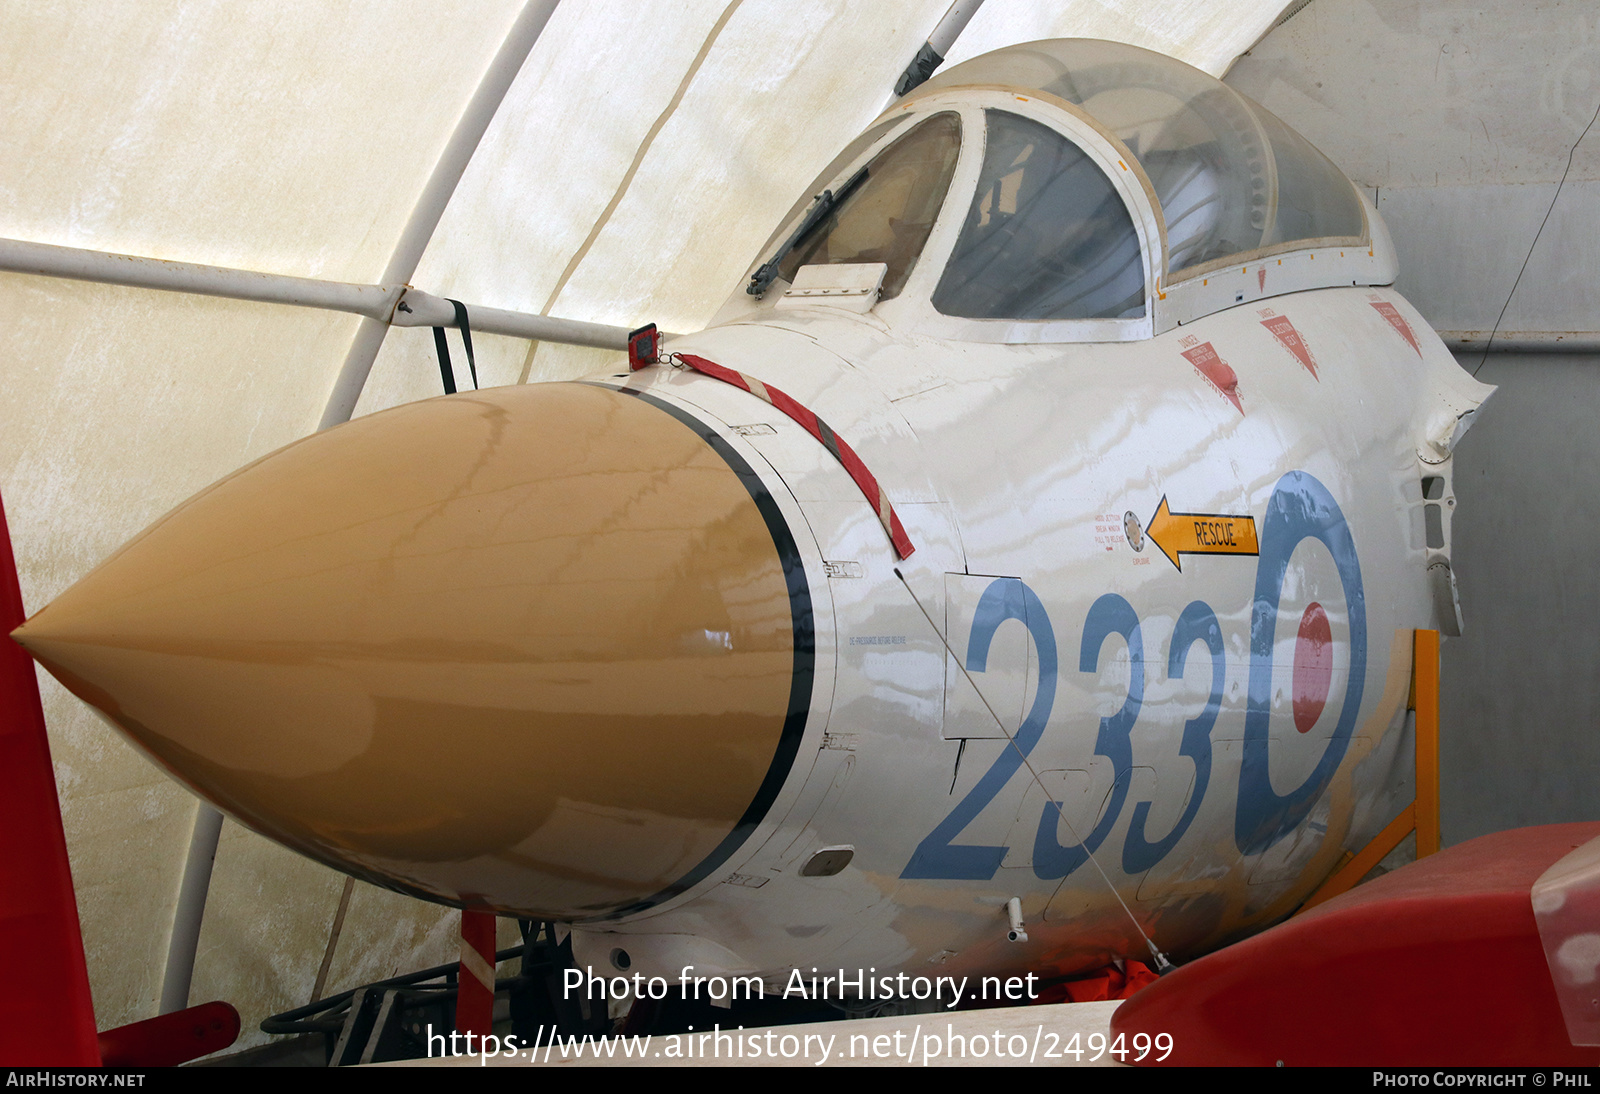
(1201, 533)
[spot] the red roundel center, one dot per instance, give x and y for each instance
(1313, 667)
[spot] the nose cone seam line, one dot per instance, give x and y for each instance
(794, 723)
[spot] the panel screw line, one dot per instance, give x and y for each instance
(1163, 964)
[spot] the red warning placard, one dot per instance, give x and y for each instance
(1290, 339)
(1207, 362)
(1398, 322)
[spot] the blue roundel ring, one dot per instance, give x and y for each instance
(1301, 508)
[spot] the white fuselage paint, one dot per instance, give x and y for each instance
(1216, 731)
(1020, 462)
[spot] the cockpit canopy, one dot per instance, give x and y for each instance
(1229, 177)
(1062, 183)
(1046, 237)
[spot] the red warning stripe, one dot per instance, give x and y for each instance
(819, 429)
(475, 981)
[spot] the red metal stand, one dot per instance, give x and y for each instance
(173, 1038)
(46, 1015)
(475, 993)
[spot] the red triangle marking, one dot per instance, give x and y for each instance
(1216, 370)
(1398, 322)
(1290, 339)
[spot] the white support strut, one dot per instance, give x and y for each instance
(47, 260)
(394, 305)
(475, 118)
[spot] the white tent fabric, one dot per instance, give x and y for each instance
(640, 157)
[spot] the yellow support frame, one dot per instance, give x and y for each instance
(1422, 815)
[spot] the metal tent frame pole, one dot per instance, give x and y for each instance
(347, 387)
(435, 196)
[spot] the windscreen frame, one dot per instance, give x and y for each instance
(1107, 153)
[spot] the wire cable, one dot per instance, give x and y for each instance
(1571, 153)
(1163, 964)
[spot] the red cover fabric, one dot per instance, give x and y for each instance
(1107, 983)
(1435, 964)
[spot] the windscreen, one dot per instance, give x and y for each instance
(888, 215)
(1047, 236)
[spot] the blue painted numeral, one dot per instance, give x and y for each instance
(1300, 508)
(1198, 623)
(936, 856)
(1109, 615)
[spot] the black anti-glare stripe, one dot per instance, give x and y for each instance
(805, 657)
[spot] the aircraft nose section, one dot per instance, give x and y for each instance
(533, 648)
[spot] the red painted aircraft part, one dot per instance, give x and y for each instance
(1436, 964)
(46, 1015)
(171, 1039)
(836, 445)
(475, 981)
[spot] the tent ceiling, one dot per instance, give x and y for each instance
(644, 148)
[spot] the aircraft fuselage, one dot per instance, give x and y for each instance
(1215, 735)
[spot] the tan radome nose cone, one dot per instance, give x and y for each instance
(532, 648)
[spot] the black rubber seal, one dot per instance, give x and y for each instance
(805, 659)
